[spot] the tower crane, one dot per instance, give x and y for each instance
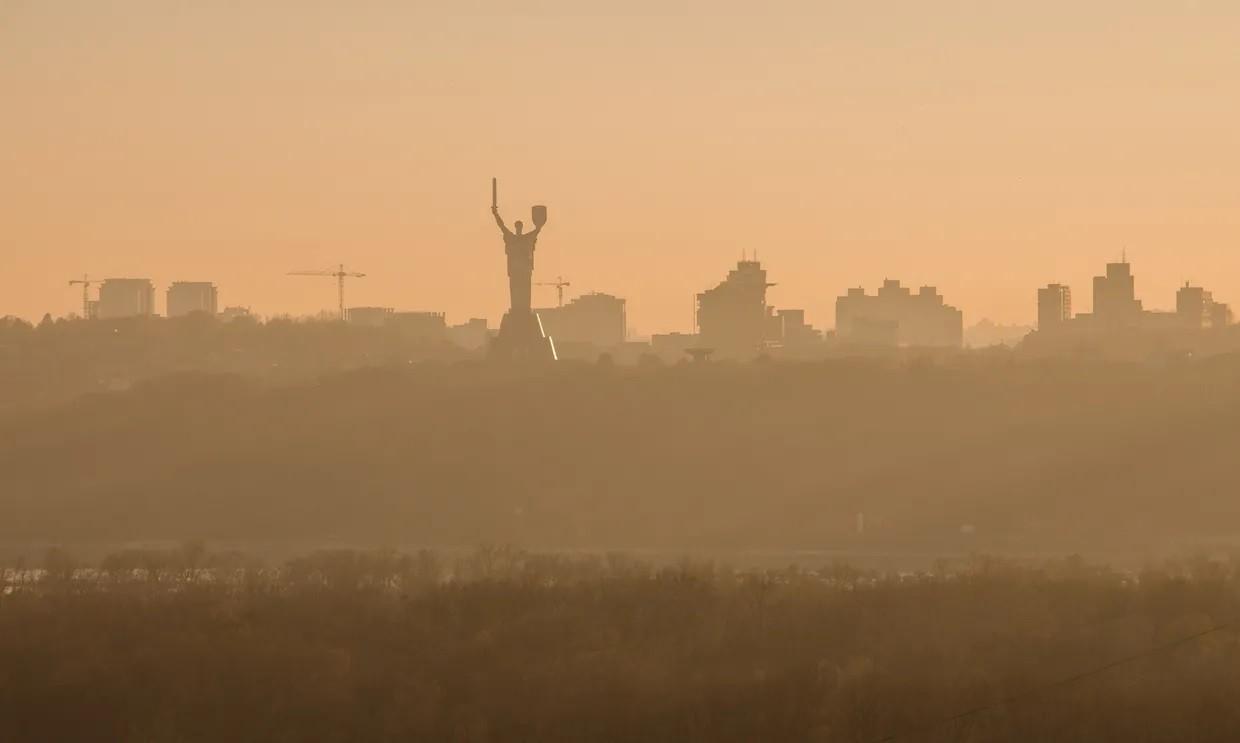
(86, 283)
(340, 275)
(559, 285)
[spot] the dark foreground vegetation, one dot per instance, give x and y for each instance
(980, 452)
(507, 646)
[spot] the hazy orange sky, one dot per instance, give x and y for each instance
(984, 146)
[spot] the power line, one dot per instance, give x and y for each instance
(1066, 681)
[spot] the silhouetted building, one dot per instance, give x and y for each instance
(1115, 301)
(1116, 307)
(371, 317)
(228, 314)
(896, 316)
(1220, 315)
(987, 334)
(732, 318)
(429, 326)
(471, 335)
(184, 297)
(1054, 307)
(126, 298)
(1119, 326)
(1195, 307)
(595, 318)
(1192, 305)
(791, 330)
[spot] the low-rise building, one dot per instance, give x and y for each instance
(597, 319)
(672, 346)
(228, 314)
(471, 335)
(428, 326)
(371, 317)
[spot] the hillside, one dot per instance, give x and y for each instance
(1025, 456)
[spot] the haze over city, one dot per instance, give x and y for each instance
(674, 372)
(987, 149)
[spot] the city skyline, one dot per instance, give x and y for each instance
(558, 285)
(985, 151)
(694, 370)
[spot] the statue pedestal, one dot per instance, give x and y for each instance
(521, 338)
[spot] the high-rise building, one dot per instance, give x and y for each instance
(126, 298)
(1115, 301)
(896, 316)
(1192, 305)
(1120, 326)
(184, 297)
(732, 317)
(1054, 307)
(594, 318)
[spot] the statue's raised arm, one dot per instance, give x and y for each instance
(500, 221)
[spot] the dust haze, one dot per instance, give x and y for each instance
(690, 372)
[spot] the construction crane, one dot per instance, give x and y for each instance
(559, 285)
(340, 275)
(86, 283)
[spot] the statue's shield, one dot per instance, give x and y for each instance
(538, 214)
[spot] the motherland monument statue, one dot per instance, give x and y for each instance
(521, 333)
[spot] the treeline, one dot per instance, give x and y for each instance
(57, 360)
(502, 645)
(973, 454)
